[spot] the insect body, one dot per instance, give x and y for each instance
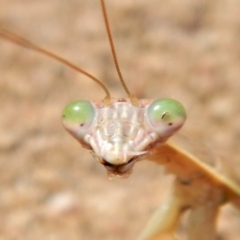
(120, 132)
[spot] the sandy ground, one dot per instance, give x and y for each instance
(50, 187)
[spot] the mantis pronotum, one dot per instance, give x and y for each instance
(140, 74)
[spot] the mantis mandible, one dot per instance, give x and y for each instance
(186, 177)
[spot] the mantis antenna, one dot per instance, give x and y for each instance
(114, 54)
(27, 44)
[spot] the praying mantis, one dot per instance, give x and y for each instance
(63, 104)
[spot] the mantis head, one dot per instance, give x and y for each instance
(120, 133)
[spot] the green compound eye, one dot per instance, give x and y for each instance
(77, 117)
(165, 116)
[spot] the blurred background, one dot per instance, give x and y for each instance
(51, 188)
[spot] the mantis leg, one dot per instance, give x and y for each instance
(205, 205)
(165, 220)
(201, 222)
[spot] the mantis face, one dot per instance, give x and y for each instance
(118, 134)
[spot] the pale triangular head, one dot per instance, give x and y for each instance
(121, 133)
